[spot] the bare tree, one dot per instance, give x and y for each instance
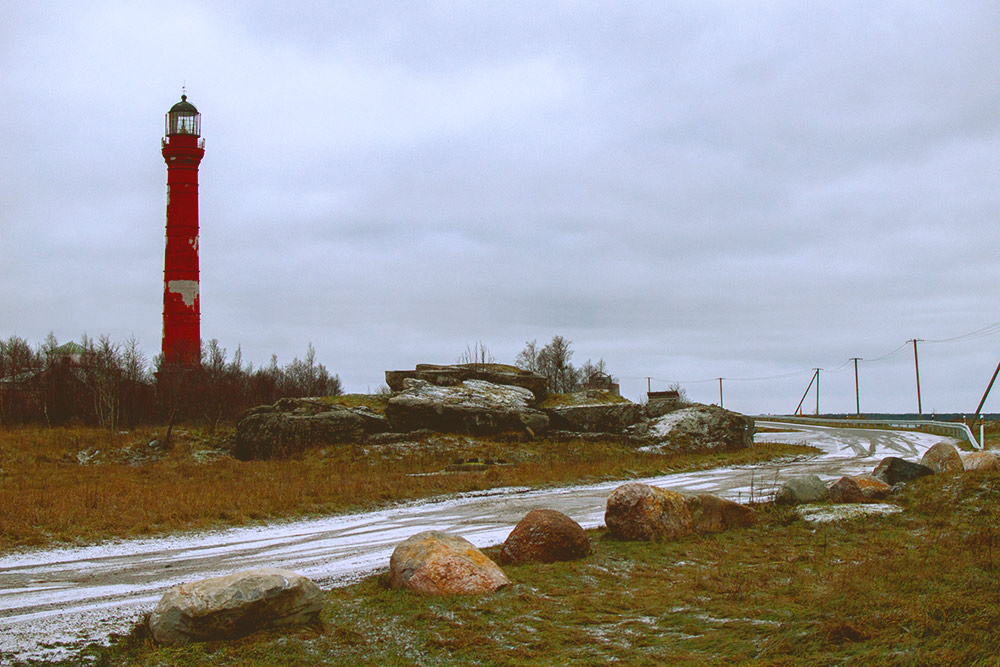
(102, 364)
(589, 370)
(477, 355)
(527, 359)
(552, 361)
(682, 395)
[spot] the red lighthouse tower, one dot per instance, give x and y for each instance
(182, 149)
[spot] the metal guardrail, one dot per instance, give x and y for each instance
(953, 429)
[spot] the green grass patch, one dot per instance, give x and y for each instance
(917, 588)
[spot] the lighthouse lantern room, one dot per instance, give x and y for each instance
(182, 149)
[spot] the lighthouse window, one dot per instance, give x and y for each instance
(183, 124)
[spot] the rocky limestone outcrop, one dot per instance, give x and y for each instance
(983, 460)
(545, 536)
(235, 605)
(637, 511)
(596, 418)
(802, 489)
(846, 490)
(450, 376)
(474, 407)
(439, 563)
(696, 428)
(294, 424)
(892, 470)
(712, 514)
(943, 458)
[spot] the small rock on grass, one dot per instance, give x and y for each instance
(545, 536)
(439, 563)
(637, 511)
(712, 514)
(873, 489)
(892, 470)
(802, 489)
(983, 460)
(235, 605)
(943, 458)
(846, 490)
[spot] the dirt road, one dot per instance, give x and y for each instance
(53, 601)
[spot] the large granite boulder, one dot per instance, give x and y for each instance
(450, 376)
(439, 563)
(545, 536)
(698, 428)
(637, 511)
(943, 457)
(596, 417)
(235, 605)
(846, 490)
(892, 470)
(712, 514)
(802, 489)
(983, 460)
(293, 425)
(475, 407)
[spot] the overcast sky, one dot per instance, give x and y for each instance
(688, 190)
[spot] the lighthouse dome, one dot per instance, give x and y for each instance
(183, 118)
(184, 107)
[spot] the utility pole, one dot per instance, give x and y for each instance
(817, 392)
(985, 394)
(916, 366)
(857, 394)
(720, 394)
(814, 378)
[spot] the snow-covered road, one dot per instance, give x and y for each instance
(56, 599)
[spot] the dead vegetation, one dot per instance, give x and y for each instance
(917, 588)
(73, 485)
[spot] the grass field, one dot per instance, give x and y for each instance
(75, 485)
(915, 588)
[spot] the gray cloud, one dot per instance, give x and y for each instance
(689, 191)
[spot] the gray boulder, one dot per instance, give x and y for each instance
(596, 418)
(893, 470)
(453, 375)
(293, 425)
(698, 428)
(475, 407)
(802, 489)
(234, 606)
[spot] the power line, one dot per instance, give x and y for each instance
(972, 335)
(983, 332)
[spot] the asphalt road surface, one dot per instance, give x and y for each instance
(53, 601)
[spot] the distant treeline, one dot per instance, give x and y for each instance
(114, 385)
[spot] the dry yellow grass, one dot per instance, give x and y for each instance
(126, 488)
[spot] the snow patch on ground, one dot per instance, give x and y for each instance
(71, 596)
(828, 513)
